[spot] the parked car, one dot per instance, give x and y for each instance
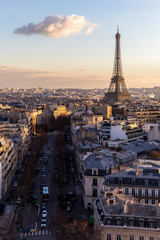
(33, 197)
(43, 219)
(71, 196)
(44, 214)
(18, 200)
(43, 225)
(69, 205)
(44, 206)
(15, 184)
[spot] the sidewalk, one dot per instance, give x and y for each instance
(6, 218)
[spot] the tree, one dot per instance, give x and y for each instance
(62, 122)
(74, 227)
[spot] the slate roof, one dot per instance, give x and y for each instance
(99, 161)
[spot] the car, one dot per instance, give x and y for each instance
(33, 197)
(68, 208)
(62, 197)
(43, 225)
(44, 205)
(72, 170)
(15, 184)
(18, 200)
(44, 214)
(43, 180)
(71, 196)
(43, 219)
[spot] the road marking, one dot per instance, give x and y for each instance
(29, 234)
(25, 234)
(46, 232)
(32, 233)
(39, 232)
(35, 233)
(50, 232)
(43, 233)
(21, 234)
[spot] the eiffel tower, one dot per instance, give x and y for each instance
(117, 91)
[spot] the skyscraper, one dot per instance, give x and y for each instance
(117, 90)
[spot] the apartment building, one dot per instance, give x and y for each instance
(8, 163)
(142, 182)
(120, 217)
(119, 130)
(95, 167)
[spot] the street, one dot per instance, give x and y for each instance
(33, 227)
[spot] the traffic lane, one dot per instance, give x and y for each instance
(52, 202)
(48, 173)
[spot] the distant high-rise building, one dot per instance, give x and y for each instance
(117, 90)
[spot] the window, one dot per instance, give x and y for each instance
(126, 191)
(94, 192)
(159, 193)
(118, 237)
(131, 223)
(131, 237)
(151, 238)
(140, 192)
(109, 237)
(141, 238)
(153, 193)
(141, 224)
(111, 180)
(133, 191)
(94, 172)
(118, 222)
(153, 201)
(151, 224)
(108, 221)
(94, 181)
(146, 201)
(146, 192)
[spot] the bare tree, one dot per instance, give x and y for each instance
(74, 227)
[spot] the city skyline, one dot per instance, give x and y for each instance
(59, 44)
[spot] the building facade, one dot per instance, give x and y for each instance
(120, 217)
(8, 163)
(142, 182)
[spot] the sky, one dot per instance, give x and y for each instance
(71, 43)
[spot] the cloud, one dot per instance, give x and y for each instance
(58, 26)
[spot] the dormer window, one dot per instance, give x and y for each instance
(131, 222)
(111, 180)
(118, 221)
(141, 223)
(108, 221)
(151, 224)
(94, 171)
(146, 181)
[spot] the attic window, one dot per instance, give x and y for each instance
(94, 171)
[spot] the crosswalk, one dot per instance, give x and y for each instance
(36, 233)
